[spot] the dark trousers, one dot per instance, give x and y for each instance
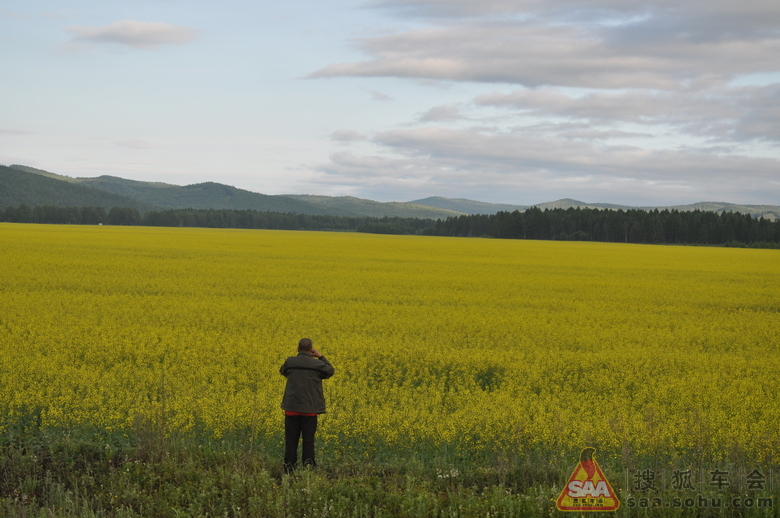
(296, 426)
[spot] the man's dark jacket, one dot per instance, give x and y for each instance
(303, 392)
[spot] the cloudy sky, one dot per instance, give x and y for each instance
(514, 101)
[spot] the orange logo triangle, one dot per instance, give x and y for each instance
(587, 489)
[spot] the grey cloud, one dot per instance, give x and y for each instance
(347, 136)
(631, 106)
(135, 144)
(658, 71)
(431, 159)
(562, 55)
(447, 8)
(714, 14)
(762, 115)
(455, 9)
(661, 44)
(378, 96)
(373, 171)
(528, 152)
(729, 114)
(596, 134)
(141, 35)
(442, 113)
(11, 131)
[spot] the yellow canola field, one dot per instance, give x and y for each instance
(473, 343)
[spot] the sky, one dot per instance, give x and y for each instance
(647, 102)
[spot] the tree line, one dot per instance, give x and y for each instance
(212, 218)
(578, 224)
(624, 226)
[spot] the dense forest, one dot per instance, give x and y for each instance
(213, 218)
(629, 226)
(573, 224)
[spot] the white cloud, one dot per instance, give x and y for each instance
(140, 35)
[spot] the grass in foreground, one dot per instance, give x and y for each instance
(81, 473)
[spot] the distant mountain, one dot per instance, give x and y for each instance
(566, 203)
(22, 184)
(770, 212)
(480, 207)
(464, 206)
(28, 169)
(21, 187)
(361, 207)
(208, 195)
(767, 211)
(46, 188)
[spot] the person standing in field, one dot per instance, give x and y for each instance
(303, 401)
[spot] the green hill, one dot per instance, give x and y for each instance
(21, 187)
(110, 190)
(207, 195)
(28, 169)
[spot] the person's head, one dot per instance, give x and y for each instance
(304, 345)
